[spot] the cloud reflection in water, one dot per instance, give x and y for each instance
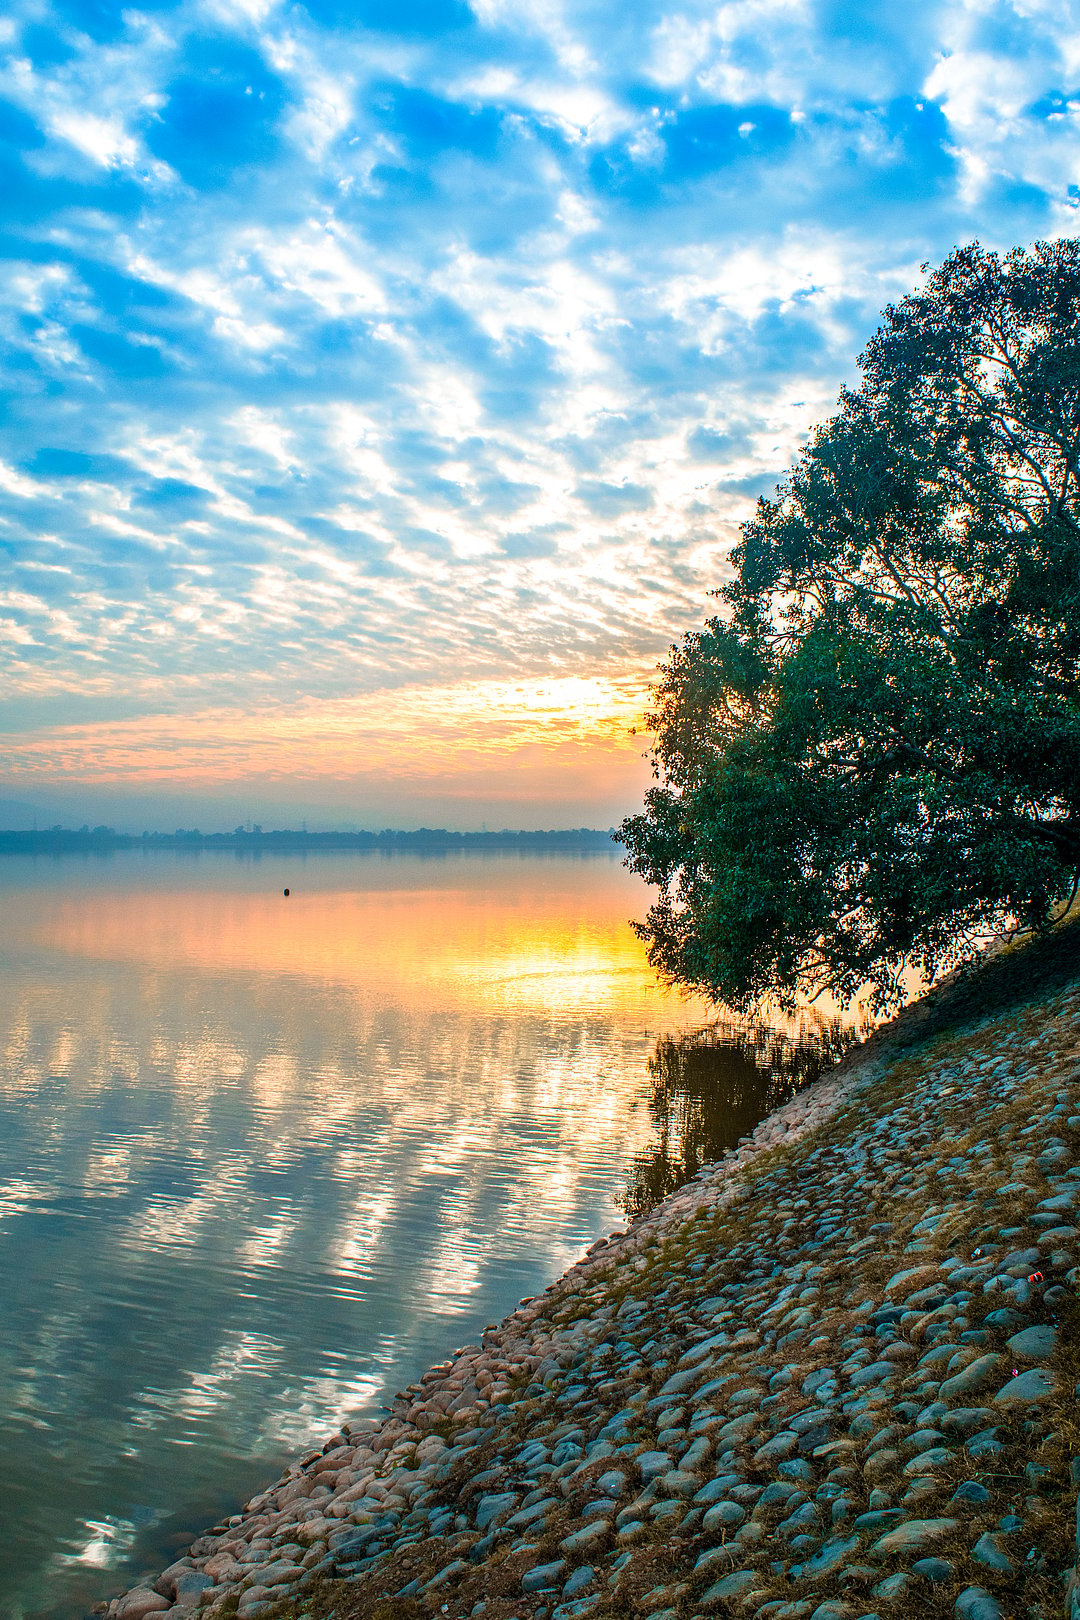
(265, 1160)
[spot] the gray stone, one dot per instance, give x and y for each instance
(893, 1587)
(876, 1373)
(914, 1535)
(1027, 1388)
(529, 1515)
(490, 1508)
(677, 1482)
(805, 1517)
(280, 1573)
(976, 1604)
(586, 1540)
(966, 1419)
(725, 1515)
(190, 1583)
(832, 1555)
(715, 1558)
(734, 1585)
(880, 1519)
(579, 1580)
(1036, 1343)
(775, 1450)
(934, 1570)
(985, 1444)
(735, 1432)
(971, 1491)
(1005, 1317)
(882, 1462)
(653, 1463)
(545, 1577)
(989, 1552)
(1063, 1200)
(255, 1601)
(693, 1458)
(577, 1609)
(929, 1461)
(816, 1381)
(680, 1382)
(140, 1601)
(448, 1573)
(980, 1373)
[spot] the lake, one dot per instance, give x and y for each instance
(263, 1160)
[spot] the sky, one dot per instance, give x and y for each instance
(384, 382)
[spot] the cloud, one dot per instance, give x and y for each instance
(364, 349)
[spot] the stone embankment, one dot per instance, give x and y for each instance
(835, 1376)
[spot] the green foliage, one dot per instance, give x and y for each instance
(872, 759)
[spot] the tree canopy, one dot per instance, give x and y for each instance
(870, 759)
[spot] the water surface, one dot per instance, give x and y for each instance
(263, 1160)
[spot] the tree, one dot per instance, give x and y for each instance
(871, 758)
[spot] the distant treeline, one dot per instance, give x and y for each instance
(60, 840)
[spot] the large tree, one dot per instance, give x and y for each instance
(870, 759)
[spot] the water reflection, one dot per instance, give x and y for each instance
(712, 1086)
(263, 1161)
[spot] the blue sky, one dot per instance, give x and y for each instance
(384, 383)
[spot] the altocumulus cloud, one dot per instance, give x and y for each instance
(359, 346)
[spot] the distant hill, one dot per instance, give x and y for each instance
(62, 840)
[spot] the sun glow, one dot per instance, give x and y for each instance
(412, 733)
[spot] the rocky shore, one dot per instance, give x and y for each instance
(835, 1376)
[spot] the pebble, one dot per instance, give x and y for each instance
(974, 1603)
(934, 1570)
(582, 1577)
(725, 1515)
(731, 1380)
(1036, 1343)
(1027, 1388)
(981, 1372)
(585, 1540)
(732, 1586)
(140, 1601)
(545, 1577)
(989, 1552)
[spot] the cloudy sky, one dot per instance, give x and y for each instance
(384, 382)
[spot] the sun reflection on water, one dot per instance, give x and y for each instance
(441, 948)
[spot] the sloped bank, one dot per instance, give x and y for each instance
(835, 1376)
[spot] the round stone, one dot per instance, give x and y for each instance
(975, 1603)
(1027, 1388)
(933, 1570)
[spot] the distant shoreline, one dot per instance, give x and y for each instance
(433, 840)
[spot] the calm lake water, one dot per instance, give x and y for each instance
(262, 1161)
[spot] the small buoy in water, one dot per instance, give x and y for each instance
(286, 894)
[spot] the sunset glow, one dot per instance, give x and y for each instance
(489, 740)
